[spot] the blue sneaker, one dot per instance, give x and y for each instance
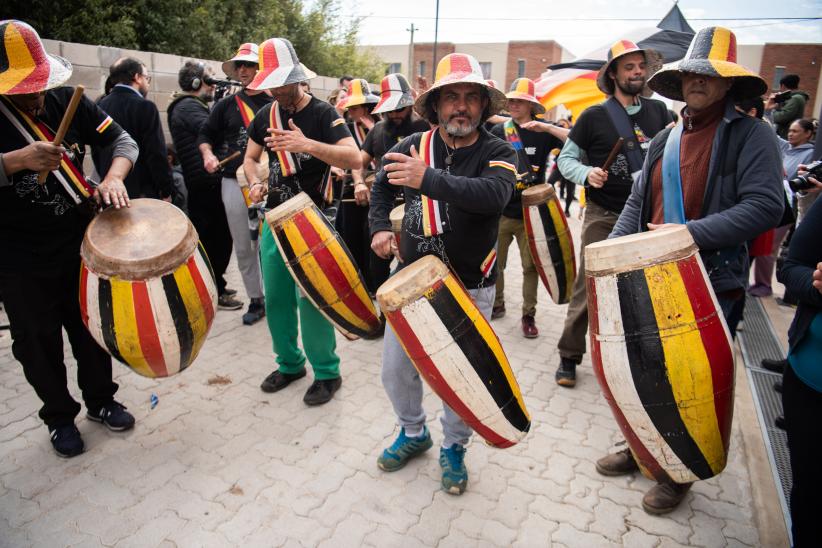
(454, 474)
(113, 415)
(404, 449)
(66, 440)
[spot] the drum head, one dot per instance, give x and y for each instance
(537, 194)
(410, 283)
(288, 208)
(396, 216)
(148, 239)
(262, 173)
(638, 251)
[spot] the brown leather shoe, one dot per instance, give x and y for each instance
(617, 464)
(529, 327)
(664, 497)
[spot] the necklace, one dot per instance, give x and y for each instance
(449, 154)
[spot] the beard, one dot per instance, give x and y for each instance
(456, 130)
(631, 87)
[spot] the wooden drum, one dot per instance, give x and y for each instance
(147, 292)
(262, 173)
(396, 217)
(322, 266)
(550, 242)
(662, 352)
(455, 349)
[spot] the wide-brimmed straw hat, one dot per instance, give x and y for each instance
(248, 52)
(653, 62)
(25, 67)
(711, 53)
(279, 66)
(459, 68)
(395, 94)
(358, 93)
(524, 90)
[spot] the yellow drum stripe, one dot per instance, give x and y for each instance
(487, 334)
(564, 244)
(689, 369)
(194, 307)
(125, 327)
(720, 42)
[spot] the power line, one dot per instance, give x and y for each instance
(562, 19)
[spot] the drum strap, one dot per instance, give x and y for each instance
(434, 212)
(523, 163)
(673, 204)
(625, 129)
(289, 164)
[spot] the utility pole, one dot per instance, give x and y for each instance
(411, 54)
(436, 31)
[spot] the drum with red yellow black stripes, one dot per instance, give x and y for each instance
(550, 242)
(455, 350)
(242, 180)
(662, 352)
(147, 292)
(322, 266)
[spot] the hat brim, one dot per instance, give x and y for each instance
(497, 97)
(653, 63)
(396, 100)
(21, 82)
(355, 100)
(540, 109)
(231, 71)
(668, 81)
(281, 76)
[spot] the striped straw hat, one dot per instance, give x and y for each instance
(459, 68)
(395, 94)
(358, 93)
(523, 89)
(279, 66)
(711, 53)
(25, 67)
(493, 83)
(653, 62)
(247, 52)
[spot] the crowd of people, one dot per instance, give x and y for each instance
(459, 153)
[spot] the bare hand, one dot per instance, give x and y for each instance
(257, 192)
(211, 163)
(422, 83)
(337, 173)
(167, 199)
(770, 104)
(42, 156)
(112, 191)
(292, 140)
(405, 170)
(817, 277)
(652, 226)
(384, 245)
(361, 194)
(597, 177)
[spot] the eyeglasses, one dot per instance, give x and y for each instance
(248, 64)
(147, 77)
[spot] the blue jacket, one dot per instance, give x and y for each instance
(743, 197)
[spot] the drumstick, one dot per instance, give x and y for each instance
(228, 158)
(64, 125)
(613, 154)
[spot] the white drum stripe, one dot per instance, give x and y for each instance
(617, 371)
(93, 308)
(205, 274)
(544, 255)
(166, 331)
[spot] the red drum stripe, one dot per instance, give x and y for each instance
(150, 344)
(428, 369)
(83, 294)
(715, 340)
(596, 358)
(202, 290)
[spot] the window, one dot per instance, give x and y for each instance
(778, 74)
(520, 68)
(393, 67)
(422, 68)
(486, 70)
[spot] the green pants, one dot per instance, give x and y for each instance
(282, 301)
(509, 229)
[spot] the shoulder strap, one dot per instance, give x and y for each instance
(524, 172)
(673, 204)
(246, 112)
(625, 129)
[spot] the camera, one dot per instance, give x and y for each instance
(801, 182)
(782, 96)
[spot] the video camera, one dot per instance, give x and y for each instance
(221, 87)
(801, 182)
(782, 96)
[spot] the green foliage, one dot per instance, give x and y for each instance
(207, 29)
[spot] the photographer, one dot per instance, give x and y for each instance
(787, 105)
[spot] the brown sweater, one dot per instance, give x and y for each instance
(694, 159)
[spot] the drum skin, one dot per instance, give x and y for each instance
(662, 352)
(455, 350)
(396, 217)
(550, 241)
(322, 266)
(147, 292)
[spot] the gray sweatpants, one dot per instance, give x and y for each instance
(246, 249)
(404, 388)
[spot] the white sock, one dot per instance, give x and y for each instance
(414, 431)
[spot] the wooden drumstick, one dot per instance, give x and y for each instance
(64, 125)
(228, 158)
(612, 156)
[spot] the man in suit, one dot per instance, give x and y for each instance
(128, 106)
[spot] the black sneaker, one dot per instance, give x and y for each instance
(230, 292)
(566, 374)
(227, 302)
(498, 311)
(66, 440)
(113, 415)
(256, 312)
(777, 366)
(321, 392)
(277, 381)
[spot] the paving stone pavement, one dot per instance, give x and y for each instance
(219, 463)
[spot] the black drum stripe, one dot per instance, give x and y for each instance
(479, 355)
(182, 324)
(554, 249)
(107, 318)
(647, 361)
(204, 255)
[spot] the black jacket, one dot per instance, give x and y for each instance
(186, 116)
(151, 176)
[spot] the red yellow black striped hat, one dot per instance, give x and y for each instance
(711, 53)
(395, 94)
(653, 62)
(524, 89)
(279, 66)
(458, 68)
(358, 93)
(25, 67)
(248, 52)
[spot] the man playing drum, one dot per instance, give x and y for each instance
(457, 179)
(719, 173)
(42, 226)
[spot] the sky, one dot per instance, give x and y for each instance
(573, 23)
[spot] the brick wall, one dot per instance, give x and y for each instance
(425, 52)
(536, 54)
(802, 59)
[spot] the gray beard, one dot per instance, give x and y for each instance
(455, 130)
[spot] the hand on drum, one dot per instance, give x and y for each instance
(41, 156)
(384, 245)
(257, 192)
(817, 277)
(361, 194)
(112, 191)
(292, 140)
(405, 170)
(597, 177)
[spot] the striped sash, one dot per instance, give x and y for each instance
(289, 165)
(434, 212)
(246, 112)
